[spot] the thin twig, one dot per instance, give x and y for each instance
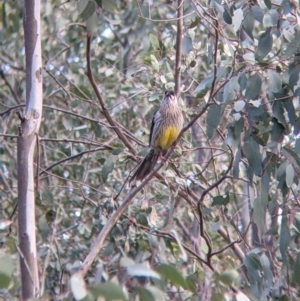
(106, 147)
(236, 249)
(70, 141)
(100, 99)
(212, 90)
(57, 81)
(10, 109)
(178, 47)
(12, 91)
(76, 115)
(67, 229)
(161, 20)
(168, 235)
(226, 247)
(11, 64)
(26, 264)
(9, 136)
(200, 201)
(110, 223)
(78, 183)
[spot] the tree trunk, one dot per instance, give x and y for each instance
(30, 124)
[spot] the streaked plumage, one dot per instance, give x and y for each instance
(166, 125)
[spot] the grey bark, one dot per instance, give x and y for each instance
(28, 131)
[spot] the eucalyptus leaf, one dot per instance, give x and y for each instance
(291, 113)
(237, 18)
(157, 294)
(154, 62)
(264, 44)
(259, 214)
(289, 175)
(236, 164)
(213, 119)
(253, 154)
(227, 17)
(81, 5)
(78, 287)
(108, 167)
(187, 44)
(278, 112)
(109, 6)
(253, 88)
(154, 41)
(141, 269)
(229, 277)
(270, 18)
(275, 81)
(145, 294)
(91, 23)
(293, 46)
(204, 85)
(220, 200)
(88, 11)
(248, 23)
(109, 290)
(294, 80)
(99, 3)
(4, 280)
(277, 130)
(257, 13)
(172, 275)
(297, 269)
(231, 90)
(284, 238)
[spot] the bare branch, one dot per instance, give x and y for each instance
(104, 147)
(10, 109)
(11, 63)
(12, 91)
(226, 247)
(203, 194)
(178, 47)
(100, 99)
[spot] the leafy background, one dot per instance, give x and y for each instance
(222, 222)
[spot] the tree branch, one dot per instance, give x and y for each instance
(12, 91)
(100, 99)
(178, 47)
(98, 244)
(104, 147)
(200, 201)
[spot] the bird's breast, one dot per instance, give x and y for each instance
(167, 137)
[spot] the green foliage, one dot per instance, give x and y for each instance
(242, 58)
(6, 270)
(172, 275)
(108, 290)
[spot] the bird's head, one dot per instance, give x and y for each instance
(170, 97)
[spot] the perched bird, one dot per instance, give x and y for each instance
(166, 125)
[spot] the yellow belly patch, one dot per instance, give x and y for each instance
(167, 138)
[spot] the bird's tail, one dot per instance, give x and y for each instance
(146, 166)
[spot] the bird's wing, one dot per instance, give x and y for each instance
(152, 127)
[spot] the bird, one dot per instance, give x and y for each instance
(166, 125)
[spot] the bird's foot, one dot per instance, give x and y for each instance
(162, 158)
